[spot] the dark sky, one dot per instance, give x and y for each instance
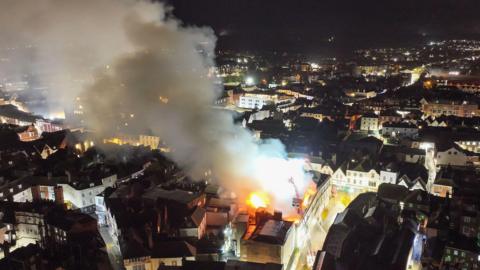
(305, 25)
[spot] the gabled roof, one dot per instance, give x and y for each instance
(391, 113)
(417, 197)
(447, 146)
(11, 111)
(173, 249)
(391, 192)
(413, 171)
(369, 115)
(399, 125)
(412, 183)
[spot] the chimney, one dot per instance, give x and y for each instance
(35, 193)
(58, 191)
(261, 216)
(277, 215)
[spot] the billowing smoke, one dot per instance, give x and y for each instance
(55, 45)
(149, 72)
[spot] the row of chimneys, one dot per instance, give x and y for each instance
(58, 193)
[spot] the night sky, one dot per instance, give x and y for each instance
(306, 25)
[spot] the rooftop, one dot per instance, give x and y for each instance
(272, 232)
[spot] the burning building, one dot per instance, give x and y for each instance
(268, 239)
(262, 235)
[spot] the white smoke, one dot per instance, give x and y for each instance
(57, 44)
(137, 65)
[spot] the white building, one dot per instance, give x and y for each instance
(389, 174)
(369, 122)
(100, 209)
(253, 102)
(356, 179)
(30, 227)
(256, 99)
(399, 130)
(80, 197)
(454, 155)
(363, 179)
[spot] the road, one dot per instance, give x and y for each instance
(317, 234)
(113, 250)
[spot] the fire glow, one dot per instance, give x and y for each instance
(308, 196)
(258, 200)
(282, 184)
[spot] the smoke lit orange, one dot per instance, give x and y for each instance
(257, 200)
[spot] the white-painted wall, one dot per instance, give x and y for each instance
(451, 157)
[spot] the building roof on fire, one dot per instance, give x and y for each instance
(272, 232)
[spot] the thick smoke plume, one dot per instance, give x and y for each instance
(150, 72)
(57, 44)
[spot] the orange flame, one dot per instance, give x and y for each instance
(257, 200)
(308, 196)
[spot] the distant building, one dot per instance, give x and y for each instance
(399, 130)
(163, 253)
(254, 102)
(369, 122)
(447, 107)
(389, 116)
(256, 99)
(466, 85)
(151, 141)
(358, 94)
